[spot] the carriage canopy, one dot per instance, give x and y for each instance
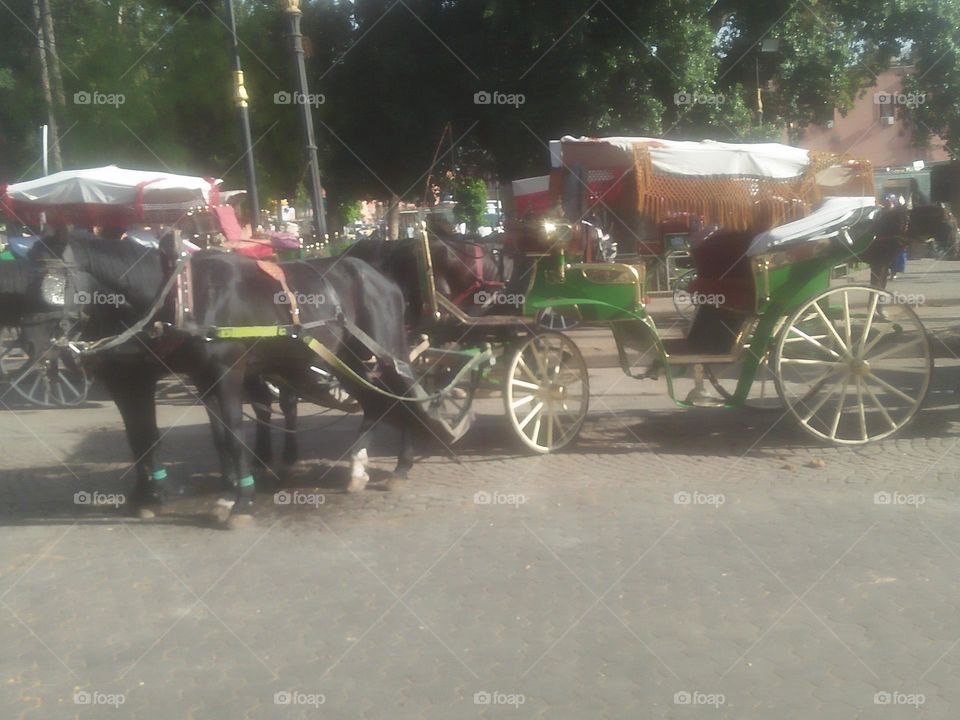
(108, 196)
(734, 185)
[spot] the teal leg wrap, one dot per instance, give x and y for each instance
(246, 481)
(160, 475)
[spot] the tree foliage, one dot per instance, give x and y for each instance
(394, 76)
(470, 194)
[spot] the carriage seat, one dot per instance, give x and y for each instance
(723, 268)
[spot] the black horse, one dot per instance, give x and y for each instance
(231, 291)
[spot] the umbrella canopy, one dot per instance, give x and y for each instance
(108, 196)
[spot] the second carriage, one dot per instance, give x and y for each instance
(849, 363)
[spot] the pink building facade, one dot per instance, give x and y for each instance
(875, 128)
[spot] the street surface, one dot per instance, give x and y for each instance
(674, 564)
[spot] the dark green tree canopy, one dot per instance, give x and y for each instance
(502, 76)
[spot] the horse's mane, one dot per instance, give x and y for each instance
(120, 264)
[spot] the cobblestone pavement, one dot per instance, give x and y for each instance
(674, 564)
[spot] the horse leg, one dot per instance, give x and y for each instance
(133, 389)
(358, 455)
(258, 394)
(229, 394)
(218, 434)
(405, 456)
(288, 406)
(223, 399)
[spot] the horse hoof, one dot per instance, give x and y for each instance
(358, 483)
(239, 520)
(223, 510)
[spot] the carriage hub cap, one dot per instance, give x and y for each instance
(860, 368)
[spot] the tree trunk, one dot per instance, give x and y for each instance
(55, 158)
(51, 38)
(393, 219)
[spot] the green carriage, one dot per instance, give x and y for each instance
(849, 363)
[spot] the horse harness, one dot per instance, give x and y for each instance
(181, 284)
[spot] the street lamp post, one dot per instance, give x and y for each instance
(292, 9)
(241, 99)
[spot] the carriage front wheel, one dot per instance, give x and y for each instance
(547, 391)
(852, 365)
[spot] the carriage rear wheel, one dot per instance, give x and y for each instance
(50, 378)
(547, 391)
(852, 365)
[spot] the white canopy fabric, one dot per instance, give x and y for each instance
(830, 215)
(528, 186)
(709, 158)
(112, 185)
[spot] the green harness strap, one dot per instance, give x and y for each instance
(331, 359)
(253, 331)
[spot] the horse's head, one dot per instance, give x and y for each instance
(101, 285)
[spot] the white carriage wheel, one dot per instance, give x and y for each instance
(853, 366)
(547, 391)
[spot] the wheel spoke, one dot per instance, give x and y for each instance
(526, 370)
(815, 343)
(861, 409)
(535, 412)
(538, 356)
(33, 388)
(823, 401)
(524, 384)
(890, 388)
(874, 298)
(522, 401)
(550, 414)
(830, 327)
(840, 405)
(63, 379)
(846, 320)
(804, 361)
(880, 407)
(889, 351)
(535, 435)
